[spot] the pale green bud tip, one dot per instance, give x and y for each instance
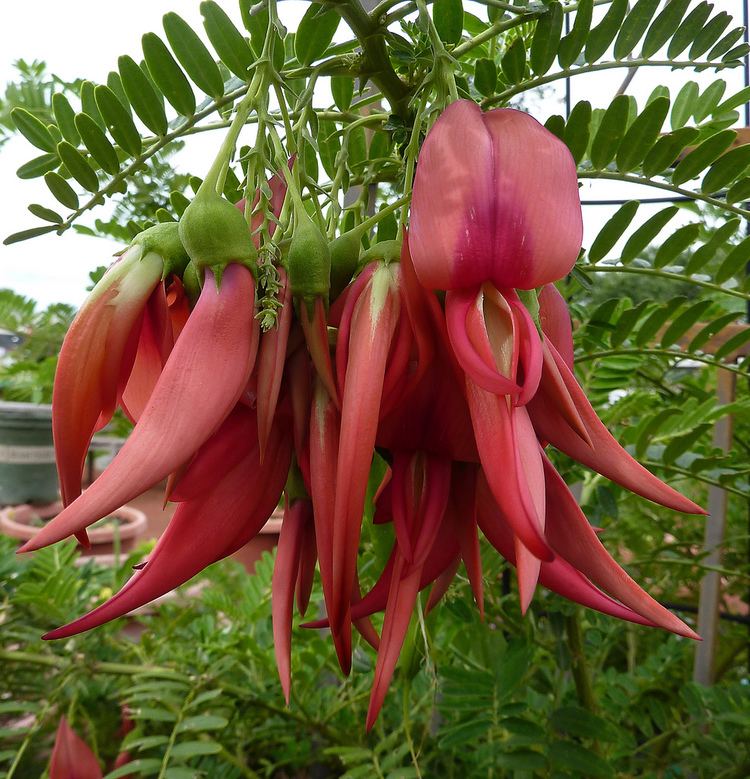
(164, 239)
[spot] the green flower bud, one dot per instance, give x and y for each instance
(214, 233)
(309, 260)
(345, 252)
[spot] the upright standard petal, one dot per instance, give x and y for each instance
(204, 377)
(508, 211)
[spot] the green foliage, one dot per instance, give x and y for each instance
(200, 687)
(26, 374)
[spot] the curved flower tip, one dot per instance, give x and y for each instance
(212, 360)
(495, 341)
(603, 454)
(554, 319)
(511, 460)
(577, 542)
(96, 359)
(72, 757)
(297, 514)
(206, 528)
(508, 211)
(402, 597)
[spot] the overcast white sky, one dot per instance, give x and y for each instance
(83, 38)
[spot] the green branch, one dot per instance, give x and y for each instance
(524, 86)
(97, 198)
(646, 182)
(375, 63)
(655, 465)
(678, 354)
(664, 275)
(504, 25)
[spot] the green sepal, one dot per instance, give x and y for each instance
(530, 300)
(214, 232)
(295, 485)
(384, 251)
(163, 239)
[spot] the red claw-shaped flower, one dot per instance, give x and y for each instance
(224, 497)
(368, 325)
(202, 380)
(508, 209)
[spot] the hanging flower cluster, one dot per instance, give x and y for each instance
(449, 352)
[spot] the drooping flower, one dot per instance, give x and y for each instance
(100, 348)
(224, 498)
(369, 322)
(459, 393)
(72, 757)
(560, 409)
(203, 378)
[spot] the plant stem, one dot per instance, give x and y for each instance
(676, 353)
(173, 735)
(646, 182)
(579, 667)
(370, 222)
(375, 63)
(125, 669)
(214, 180)
(411, 159)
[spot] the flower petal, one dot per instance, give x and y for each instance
(573, 538)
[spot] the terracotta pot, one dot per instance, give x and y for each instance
(15, 521)
(265, 541)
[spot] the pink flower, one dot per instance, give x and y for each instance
(495, 199)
